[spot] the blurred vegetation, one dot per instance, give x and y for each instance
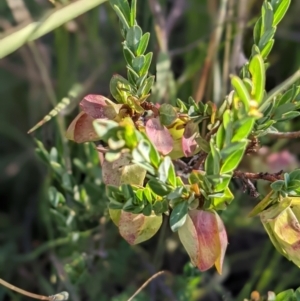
(55, 233)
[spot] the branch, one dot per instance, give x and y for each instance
(289, 135)
(258, 176)
(147, 282)
(61, 296)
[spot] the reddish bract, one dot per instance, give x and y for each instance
(159, 136)
(204, 237)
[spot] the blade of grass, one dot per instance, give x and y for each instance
(54, 19)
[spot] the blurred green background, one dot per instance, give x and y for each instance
(55, 233)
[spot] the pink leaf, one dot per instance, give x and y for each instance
(188, 141)
(204, 237)
(93, 105)
(98, 106)
(159, 136)
(81, 129)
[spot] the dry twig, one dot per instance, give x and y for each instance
(147, 282)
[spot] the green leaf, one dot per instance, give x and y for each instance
(176, 193)
(263, 204)
(148, 59)
(288, 116)
(293, 186)
(133, 38)
(277, 185)
(172, 176)
(244, 129)
(203, 144)
(295, 175)
(241, 91)
(280, 9)
(267, 16)
(220, 203)
(257, 70)
(297, 294)
(227, 123)
(143, 44)
(158, 187)
(42, 152)
(178, 216)
(289, 95)
(167, 114)
(283, 109)
(142, 152)
(163, 169)
(216, 158)
(223, 182)
(123, 6)
(133, 12)
(220, 137)
(122, 17)
(128, 55)
(267, 49)
(257, 30)
(146, 87)
(267, 36)
(232, 161)
(138, 63)
(118, 88)
(158, 207)
(154, 155)
(233, 147)
(209, 164)
(103, 126)
(127, 191)
(147, 211)
(287, 295)
(248, 83)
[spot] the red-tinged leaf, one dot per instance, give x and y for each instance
(136, 228)
(98, 106)
(81, 129)
(112, 171)
(121, 171)
(208, 237)
(189, 238)
(204, 238)
(223, 242)
(189, 144)
(159, 136)
(111, 175)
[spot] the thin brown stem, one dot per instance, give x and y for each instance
(258, 176)
(289, 135)
(58, 297)
(147, 282)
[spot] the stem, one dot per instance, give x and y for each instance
(59, 297)
(289, 135)
(146, 283)
(282, 87)
(258, 176)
